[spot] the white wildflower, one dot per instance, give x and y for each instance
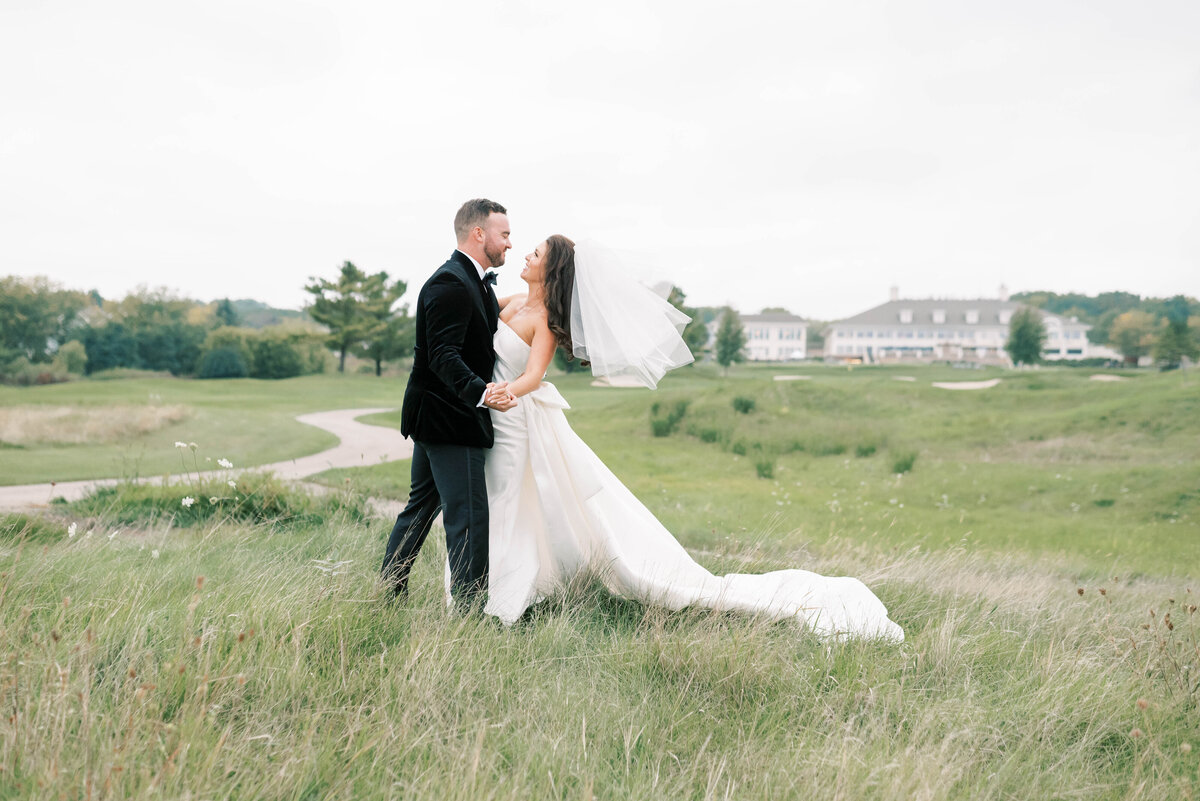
(225, 463)
(180, 445)
(154, 554)
(193, 445)
(232, 484)
(213, 500)
(71, 529)
(188, 501)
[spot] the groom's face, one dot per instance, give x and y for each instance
(495, 239)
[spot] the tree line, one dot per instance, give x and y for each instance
(49, 333)
(1167, 329)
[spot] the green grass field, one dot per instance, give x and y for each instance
(246, 421)
(282, 673)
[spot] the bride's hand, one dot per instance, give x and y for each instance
(499, 398)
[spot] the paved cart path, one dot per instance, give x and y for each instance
(361, 445)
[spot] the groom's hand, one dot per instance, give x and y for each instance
(498, 397)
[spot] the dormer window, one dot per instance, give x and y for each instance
(939, 316)
(906, 315)
(1005, 316)
(972, 316)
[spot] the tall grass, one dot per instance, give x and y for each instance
(262, 662)
(72, 425)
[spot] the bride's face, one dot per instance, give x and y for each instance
(535, 265)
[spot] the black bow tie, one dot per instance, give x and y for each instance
(489, 278)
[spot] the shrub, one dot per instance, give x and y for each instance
(258, 498)
(864, 450)
(664, 417)
(708, 434)
(276, 358)
(229, 337)
(739, 447)
(743, 404)
(21, 372)
(765, 466)
(904, 462)
(15, 528)
(71, 358)
(222, 363)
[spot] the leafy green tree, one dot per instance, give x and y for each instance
(1026, 336)
(36, 316)
(695, 333)
(392, 332)
(731, 339)
(1177, 340)
(1133, 334)
(108, 346)
(340, 306)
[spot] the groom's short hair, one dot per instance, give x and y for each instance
(474, 212)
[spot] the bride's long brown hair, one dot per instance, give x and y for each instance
(558, 281)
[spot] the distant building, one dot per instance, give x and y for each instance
(775, 337)
(772, 337)
(948, 330)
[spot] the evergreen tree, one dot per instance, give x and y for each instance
(340, 306)
(1026, 336)
(731, 339)
(225, 313)
(392, 332)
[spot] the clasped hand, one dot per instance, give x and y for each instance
(498, 397)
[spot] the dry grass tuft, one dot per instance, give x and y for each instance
(77, 425)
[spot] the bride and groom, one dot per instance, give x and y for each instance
(525, 503)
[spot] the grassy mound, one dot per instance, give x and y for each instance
(256, 498)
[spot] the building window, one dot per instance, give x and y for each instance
(1005, 316)
(972, 316)
(939, 316)
(906, 315)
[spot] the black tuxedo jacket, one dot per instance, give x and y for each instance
(453, 359)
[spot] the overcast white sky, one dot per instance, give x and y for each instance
(798, 154)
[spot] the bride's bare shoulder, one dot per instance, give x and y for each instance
(516, 301)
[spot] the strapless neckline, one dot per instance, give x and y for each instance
(514, 332)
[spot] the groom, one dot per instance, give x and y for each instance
(446, 407)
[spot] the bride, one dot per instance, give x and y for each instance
(555, 509)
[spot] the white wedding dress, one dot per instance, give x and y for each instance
(556, 510)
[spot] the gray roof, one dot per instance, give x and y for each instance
(956, 312)
(773, 317)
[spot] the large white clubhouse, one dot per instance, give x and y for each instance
(948, 330)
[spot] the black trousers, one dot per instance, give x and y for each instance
(446, 478)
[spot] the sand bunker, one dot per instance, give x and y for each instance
(1107, 377)
(792, 377)
(903, 378)
(966, 384)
